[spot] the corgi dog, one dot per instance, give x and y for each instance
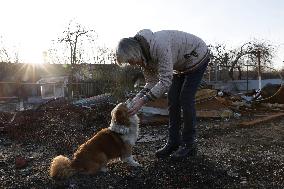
(113, 142)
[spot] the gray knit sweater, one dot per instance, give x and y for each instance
(169, 51)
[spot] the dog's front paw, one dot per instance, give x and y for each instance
(130, 161)
(104, 169)
(135, 164)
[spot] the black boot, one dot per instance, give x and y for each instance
(184, 151)
(167, 150)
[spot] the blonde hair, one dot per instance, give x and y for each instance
(128, 49)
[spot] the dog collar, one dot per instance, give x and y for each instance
(121, 129)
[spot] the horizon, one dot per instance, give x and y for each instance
(30, 26)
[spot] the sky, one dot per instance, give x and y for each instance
(30, 25)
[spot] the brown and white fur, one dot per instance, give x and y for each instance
(113, 142)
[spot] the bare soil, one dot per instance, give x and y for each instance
(229, 156)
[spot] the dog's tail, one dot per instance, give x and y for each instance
(60, 168)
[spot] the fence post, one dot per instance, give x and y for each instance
(259, 70)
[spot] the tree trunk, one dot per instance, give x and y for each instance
(234, 63)
(240, 73)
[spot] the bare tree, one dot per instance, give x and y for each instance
(105, 56)
(74, 37)
(7, 55)
(219, 55)
(220, 58)
(254, 51)
(79, 41)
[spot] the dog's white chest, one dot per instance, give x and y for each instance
(129, 134)
(131, 137)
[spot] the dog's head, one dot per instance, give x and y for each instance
(119, 115)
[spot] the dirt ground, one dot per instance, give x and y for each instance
(229, 156)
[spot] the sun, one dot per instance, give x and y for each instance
(31, 55)
(35, 58)
(35, 63)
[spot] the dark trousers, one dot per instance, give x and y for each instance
(181, 100)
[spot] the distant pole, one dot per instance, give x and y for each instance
(247, 78)
(259, 70)
(216, 72)
(33, 70)
(209, 74)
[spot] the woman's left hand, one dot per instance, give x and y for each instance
(136, 105)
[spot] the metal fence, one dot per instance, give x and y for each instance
(20, 90)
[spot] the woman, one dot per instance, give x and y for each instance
(174, 62)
